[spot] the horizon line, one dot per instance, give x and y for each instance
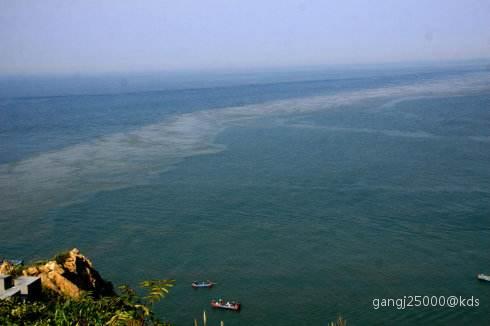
(250, 68)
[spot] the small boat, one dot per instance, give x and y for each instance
(202, 284)
(229, 305)
(14, 262)
(483, 277)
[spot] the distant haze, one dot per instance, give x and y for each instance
(117, 36)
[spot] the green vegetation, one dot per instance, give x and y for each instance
(339, 322)
(93, 307)
(128, 308)
(204, 320)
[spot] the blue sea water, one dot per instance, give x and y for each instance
(304, 197)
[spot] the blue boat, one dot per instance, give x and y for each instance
(14, 262)
(202, 284)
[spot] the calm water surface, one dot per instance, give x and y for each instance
(302, 199)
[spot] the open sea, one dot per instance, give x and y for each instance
(303, 195)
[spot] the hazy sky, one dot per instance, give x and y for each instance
(100, 36)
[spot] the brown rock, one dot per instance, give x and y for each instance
(65, 287)
(6, 268)
(31, 271)
(71, 274)
(48, 283)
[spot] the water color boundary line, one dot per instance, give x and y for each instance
(127, 159)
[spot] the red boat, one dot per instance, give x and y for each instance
(229, 305)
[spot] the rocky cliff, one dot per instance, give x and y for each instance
(70, 274)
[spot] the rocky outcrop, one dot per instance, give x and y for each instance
(6, 267)
(71, 274)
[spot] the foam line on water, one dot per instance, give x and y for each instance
(387, 132)
(126, 159)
